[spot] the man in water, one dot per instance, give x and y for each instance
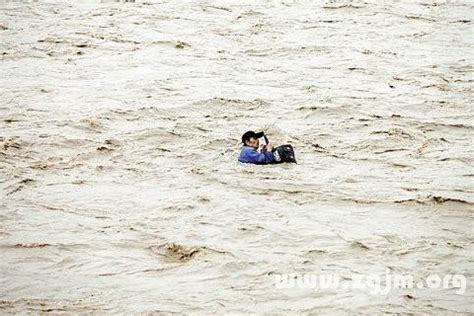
(250, 153)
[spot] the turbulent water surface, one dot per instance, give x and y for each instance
(120, 127)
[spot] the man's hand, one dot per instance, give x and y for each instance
(266, 148)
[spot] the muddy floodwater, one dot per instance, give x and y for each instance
(119, 135)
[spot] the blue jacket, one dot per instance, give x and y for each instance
(251, 155)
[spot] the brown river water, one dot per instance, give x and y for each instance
(119, 136)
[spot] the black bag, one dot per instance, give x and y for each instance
(284, 153)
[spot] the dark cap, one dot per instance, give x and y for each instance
(251, 134)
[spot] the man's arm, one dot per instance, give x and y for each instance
(260, 158)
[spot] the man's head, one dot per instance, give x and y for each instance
(250, 139)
